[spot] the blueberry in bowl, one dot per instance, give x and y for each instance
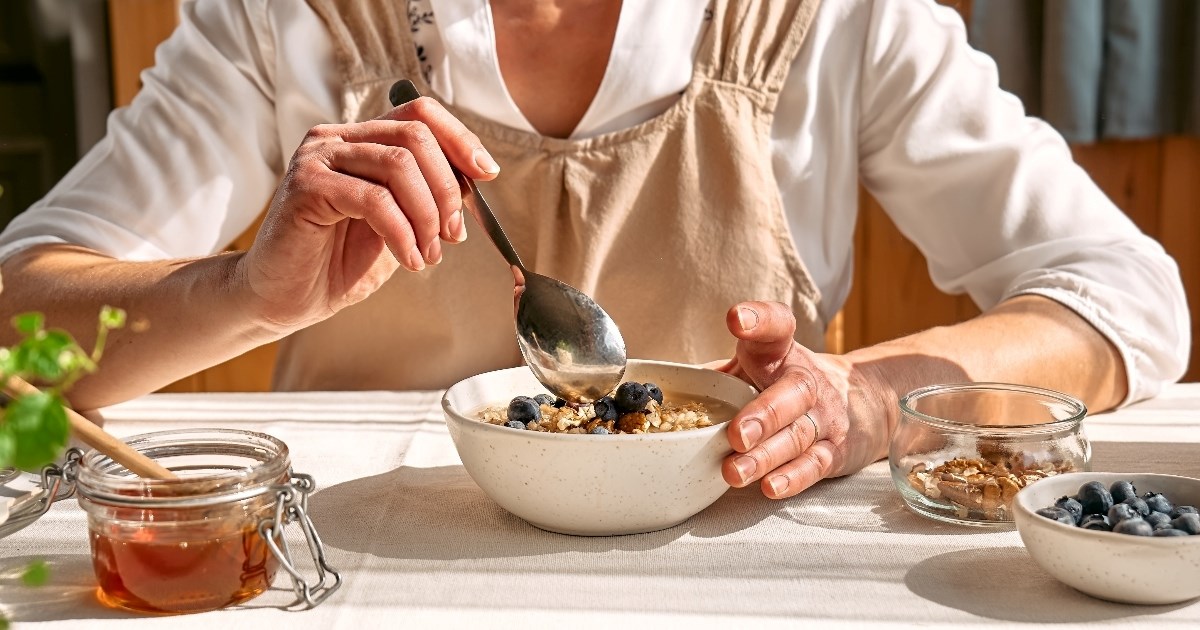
(1121, 555)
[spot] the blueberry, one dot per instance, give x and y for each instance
(1071, 505)
(1157, 502)
(1121, 512)
(632, 397)
(654, 392)
(1134, 527)
(1183, 509)
(1057, 514)
(1167, 531)
(1095, 522)
(1189, 523)
(513, 424)
(524, 409)
(606, 409)
(599, 430)
(1139, 506)
(1094, 498)
(1122, 490)
(1158, 520)
(544, 399)
(558, 403)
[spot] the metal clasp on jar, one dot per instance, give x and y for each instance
(57, 483)
(291, 506)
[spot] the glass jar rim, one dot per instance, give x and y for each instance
(1053, 426)
(98, 478)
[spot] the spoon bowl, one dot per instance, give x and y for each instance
(570, 344)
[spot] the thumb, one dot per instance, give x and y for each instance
(765, 333)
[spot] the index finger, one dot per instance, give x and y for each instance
(463, 148)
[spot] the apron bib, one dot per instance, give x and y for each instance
(666, 224)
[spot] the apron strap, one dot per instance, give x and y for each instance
(370, 40)
(752, 43)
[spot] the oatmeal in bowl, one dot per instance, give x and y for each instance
(633, 408)
(629, 464)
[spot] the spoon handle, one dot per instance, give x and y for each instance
(404, 91)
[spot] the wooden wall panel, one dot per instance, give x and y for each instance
(137, 27)
(1179, 225)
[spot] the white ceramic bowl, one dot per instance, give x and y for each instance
(1117, 567)
(594, 485)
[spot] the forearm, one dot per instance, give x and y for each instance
(1029, 340)
(184, 315)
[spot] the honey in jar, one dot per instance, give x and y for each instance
(189, 544)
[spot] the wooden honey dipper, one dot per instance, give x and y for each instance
(99, 439)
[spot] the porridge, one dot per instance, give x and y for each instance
(633, 408)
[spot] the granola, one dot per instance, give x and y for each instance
(654, 418)
(982, 487)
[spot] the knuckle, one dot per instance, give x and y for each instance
(418, 135)
(820, 459)
(447, 195)
(423, 107)
(322, 131)
(795, 435)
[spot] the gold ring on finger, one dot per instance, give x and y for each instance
(816, 430)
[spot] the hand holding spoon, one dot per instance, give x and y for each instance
(572, 346)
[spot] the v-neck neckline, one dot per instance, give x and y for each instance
(492, 61)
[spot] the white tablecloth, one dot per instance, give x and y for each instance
(421, 546)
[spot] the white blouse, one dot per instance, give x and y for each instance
(888, 91)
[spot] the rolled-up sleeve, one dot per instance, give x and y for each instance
(189, 164)
(995, 202)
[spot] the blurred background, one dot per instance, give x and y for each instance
(1120, 79)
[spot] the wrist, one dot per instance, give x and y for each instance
(262, 323)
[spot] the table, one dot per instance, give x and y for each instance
(421, 546)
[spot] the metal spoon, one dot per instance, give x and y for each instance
(572, 346)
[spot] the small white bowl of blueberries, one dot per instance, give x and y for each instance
(1129, 538)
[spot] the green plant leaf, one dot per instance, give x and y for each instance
(4, 625)
(112, 317)
(28, 323)
(8, 446)
(36, 574)
(38, 423)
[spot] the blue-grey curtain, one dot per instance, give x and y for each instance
(1098, 69)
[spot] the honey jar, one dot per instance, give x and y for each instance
(211, 538)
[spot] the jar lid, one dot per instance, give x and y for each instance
(214, 466)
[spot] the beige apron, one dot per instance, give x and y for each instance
(666, 224)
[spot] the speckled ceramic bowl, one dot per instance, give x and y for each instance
(1117, 567)
(594, 485)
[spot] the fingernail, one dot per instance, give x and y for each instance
(416, 261)
(779, 484)
(745, 466)
(751, 431)
(434, 254)
(458, 231)
(747, 318)
(484, 161)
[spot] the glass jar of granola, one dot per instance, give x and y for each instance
(961, 452)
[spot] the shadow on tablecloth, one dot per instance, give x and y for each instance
(1006, 584)
(439, 513)
(70, 592)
